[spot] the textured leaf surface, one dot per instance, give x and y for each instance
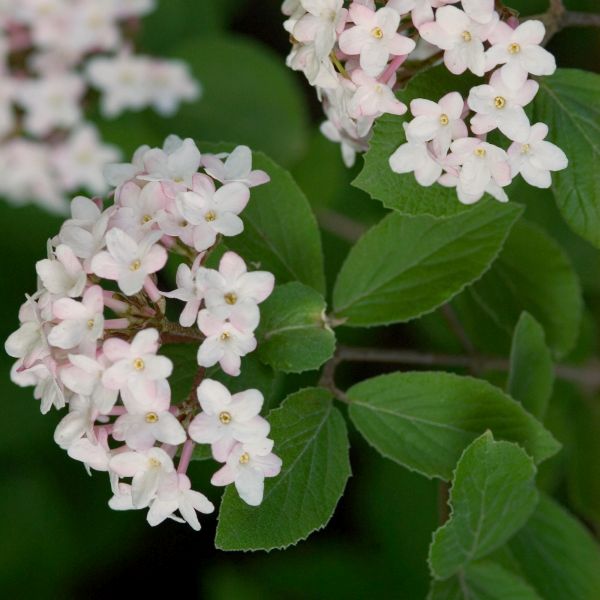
(310, 437)
(483, 581)
(557, 555)
(280, 230)
(293, 335)
(407, 266)
(531, 370)
(568, 103)
(492, 496)
(533, 274)
(424, 420)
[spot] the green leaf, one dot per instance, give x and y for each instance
(485, 580)
(405, 266)
(531, 377)
(533, 274)
(568, 103)
(281, 233)
(293, 335)
(249, 97)
(424, 421)
(310, 437)
(402, 192)
(492, 496)
(557, 555)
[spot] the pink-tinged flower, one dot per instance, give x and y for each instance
(63, 276)
(415, 157)
(135, 366)
(29, 341)
(85, 232)
(118, 173)
(94, 454)
(227, 419)
(48, 388)
(372, 98)
(535, 158)
(232, 292)
(77, 423)
(211, 211)
(190, 289)
(481, 164)
(121, 499)
(461, 37)
(168, 83)
(481, 11)
(520, 52)
(138, 207)
(421, 11)
(321, 24)
(440, 122)
(129, 262)
(375, 37)
(247, 466)
(319, 72)
(499, 105)
(224, 343)
(177, 161)
(81, 323)
(51, 102)
(147, 469)
(84, 376)
(148, 421)
(237, 167)
(175, 493)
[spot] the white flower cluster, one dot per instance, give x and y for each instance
(89, 336)
(353, 56)
(52, 53)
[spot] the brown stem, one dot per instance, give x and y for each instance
(174, 333)
(557, 18)
(587, 375)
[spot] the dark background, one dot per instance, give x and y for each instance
(58, 538)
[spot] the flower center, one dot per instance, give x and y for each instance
(151, 417)
(466, 36)
(154, 462)
(225, 336)
(210, 216)
(146, 219)
(444, 120)
(138, 364)
(479, 152)
(377, 33)
(244, 459)
(225, 417)
(230, 298)
(499, 102)
(135, 265)
(514, 48)
(525, 148)
(90, 324)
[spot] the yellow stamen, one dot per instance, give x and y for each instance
(210, 216)
(480, 152)
(138, 364)
(377, 33)
(225, 418)
(514, 48)
(244, 459)
(444, 120)
(135, 265)
(231, 298)
(499, 102)
(151, 417)
(466, 36)
(225, 336)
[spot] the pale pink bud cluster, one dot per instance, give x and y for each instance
(354, 53)
(90, 337)
(52, 52)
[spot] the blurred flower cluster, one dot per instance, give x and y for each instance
(58, 59)
(89, 337)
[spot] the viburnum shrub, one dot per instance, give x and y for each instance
(173, 317)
